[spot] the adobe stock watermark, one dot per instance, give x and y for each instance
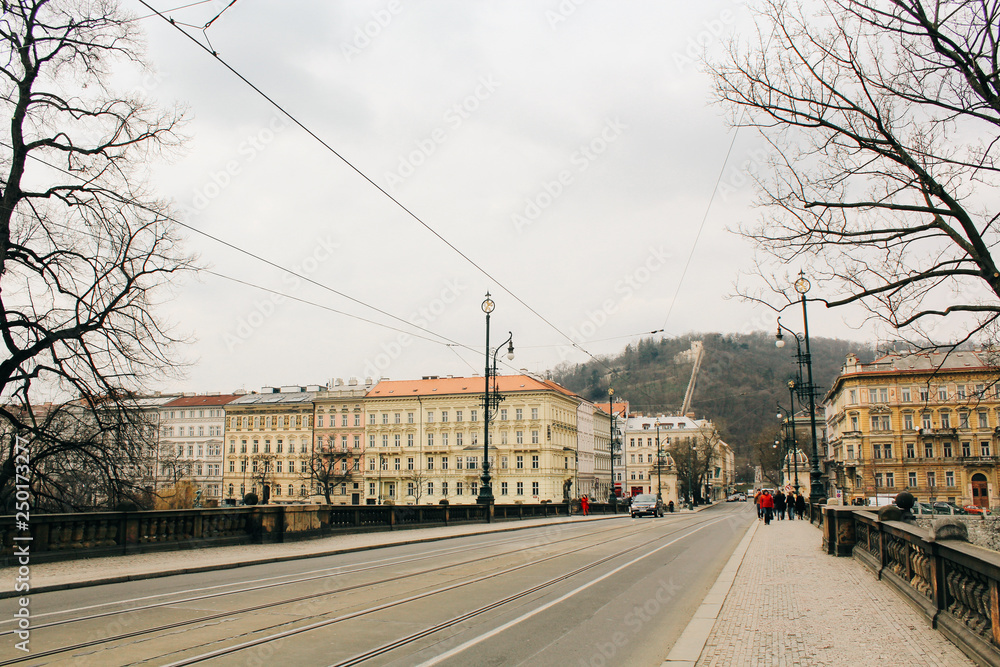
(562, 13)
(607, 650)
(365, 35)
(265, 307)
(712, 31)
(738, 176)
(220, 179)
(453, 118)
(424, 317)
(580, 160)
(625, 288)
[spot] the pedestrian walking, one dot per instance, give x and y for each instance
(779, 504)
(800, 505)
(756, 501)
(767, 506)
(790, 504)
(584, 504)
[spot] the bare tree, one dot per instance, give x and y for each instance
(327, 469)
(262, 474)
(84, 249)
(693, 457)
(884, 119)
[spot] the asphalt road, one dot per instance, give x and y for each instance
(613, 592)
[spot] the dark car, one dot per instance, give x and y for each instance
(942, 507)
(646, 503)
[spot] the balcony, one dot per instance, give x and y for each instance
(938, 431)
(979, 460)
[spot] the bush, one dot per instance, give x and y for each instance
(250, 499)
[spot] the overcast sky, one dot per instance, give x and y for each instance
(567, 148)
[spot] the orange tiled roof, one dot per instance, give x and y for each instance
(461, 385)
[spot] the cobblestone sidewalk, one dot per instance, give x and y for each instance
(792, 604)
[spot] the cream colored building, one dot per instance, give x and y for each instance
(269, 446)
(425, 441)
(645, 437)
(923, 422)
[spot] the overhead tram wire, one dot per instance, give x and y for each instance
(358, 171)
(238, 249)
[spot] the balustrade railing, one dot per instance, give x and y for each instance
(90, 535)
(954, 584)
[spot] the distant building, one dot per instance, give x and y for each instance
(191, 442)
(425, 441)
(922, 422)
(339, 432)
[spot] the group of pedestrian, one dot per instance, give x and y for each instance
(778, 505)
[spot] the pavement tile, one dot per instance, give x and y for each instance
(793, 604)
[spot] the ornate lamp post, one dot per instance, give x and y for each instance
(802, 286)
(659, 464)
(612, 496)
(491, 399)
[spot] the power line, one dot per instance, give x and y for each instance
(236, 248)
(371, 182)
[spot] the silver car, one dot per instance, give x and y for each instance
(646, 503)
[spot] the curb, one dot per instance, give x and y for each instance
(689, 646)
(280, 559)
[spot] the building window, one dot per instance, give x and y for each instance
(923, 394)
(409, 439)
(925, 420)
(963, 420)
(984, 420)
(945, 420)
(519, 462)
(458, 415)
(877, 450)
(458, 488)
(444, 415)
(503, 462)
(430, 439)
(385, 440)
(905, 395)
(907, 422)
(854, 424)
(409, 488)
(371, 419)
(887, 450)
(430, 417)
(534, 488)
(931, 479)
(444, 489)
(960, 392)
(520, 488)
(430, 488)
(966, 448)
(430, 463)
(911, 450)
(409, 463)
(397, 418)
(534, 437)
(503, 488)
(395, 463)
(946, 449)
(929, 450)
(534, 461)
(942, 393)
(459, 462)
(518, 413)
(984, 447)
(534, 413)
(949, 478)
(878, 480)
(409, 417)
(873, 395)
(853, 396)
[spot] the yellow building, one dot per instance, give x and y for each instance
(425, 441)
(921, 422)
(269, 446)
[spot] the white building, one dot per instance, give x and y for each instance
(191, 440)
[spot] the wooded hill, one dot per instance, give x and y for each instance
(742, 378)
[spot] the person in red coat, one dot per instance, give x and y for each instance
(585, 504)
(767, 504)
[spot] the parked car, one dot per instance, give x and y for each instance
(941, 507)
(976, 509)
(646, 503)
(922, 508)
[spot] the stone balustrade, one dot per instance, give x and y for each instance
(955, 585)
(91, 535)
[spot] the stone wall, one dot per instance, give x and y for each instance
(984, 531)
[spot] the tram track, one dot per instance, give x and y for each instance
(216, 617)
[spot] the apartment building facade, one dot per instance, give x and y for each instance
(425, 441)
(191, 442)
(926, 423)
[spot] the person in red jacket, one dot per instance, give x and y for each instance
(767, 504)
(585, 504)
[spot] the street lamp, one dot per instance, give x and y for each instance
(802, 286)
(490, 402)
(659, 464)
(791, 434)
(612, 496)
(690, 493)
